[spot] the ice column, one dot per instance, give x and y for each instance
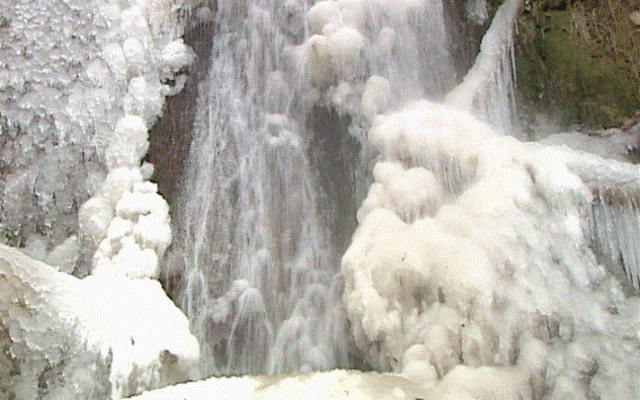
(488, 88)
(127, 218)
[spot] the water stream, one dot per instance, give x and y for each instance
(270, 192)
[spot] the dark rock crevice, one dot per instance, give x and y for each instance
(170, 138)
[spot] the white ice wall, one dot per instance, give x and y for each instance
(80, 85)
(70, 71)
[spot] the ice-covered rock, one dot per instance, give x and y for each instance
(100, 337)
(62, 96)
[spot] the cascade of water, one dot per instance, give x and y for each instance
(249, 215)
(258, 256)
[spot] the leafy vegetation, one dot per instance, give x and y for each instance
(580, 60)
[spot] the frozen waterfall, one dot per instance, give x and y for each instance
(353, 199)
(458, 224)
(261, 281)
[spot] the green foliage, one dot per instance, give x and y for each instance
(581, 61)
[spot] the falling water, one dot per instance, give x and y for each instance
(269, 197)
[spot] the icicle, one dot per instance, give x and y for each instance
(615, 232)
(488, 87)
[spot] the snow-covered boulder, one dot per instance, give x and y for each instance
(99, 337)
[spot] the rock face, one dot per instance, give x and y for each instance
(95, 338)
(170, 136)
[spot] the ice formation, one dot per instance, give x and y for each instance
(127, 219)
(488, 89)
(481, 268)
(471, 245)
(82, 83)
(494, 291)
(63, 80)
(256, 260)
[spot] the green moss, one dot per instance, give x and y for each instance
(569, 67)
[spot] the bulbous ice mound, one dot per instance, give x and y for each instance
(473, 266)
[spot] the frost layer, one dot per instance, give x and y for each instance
(473, 270)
